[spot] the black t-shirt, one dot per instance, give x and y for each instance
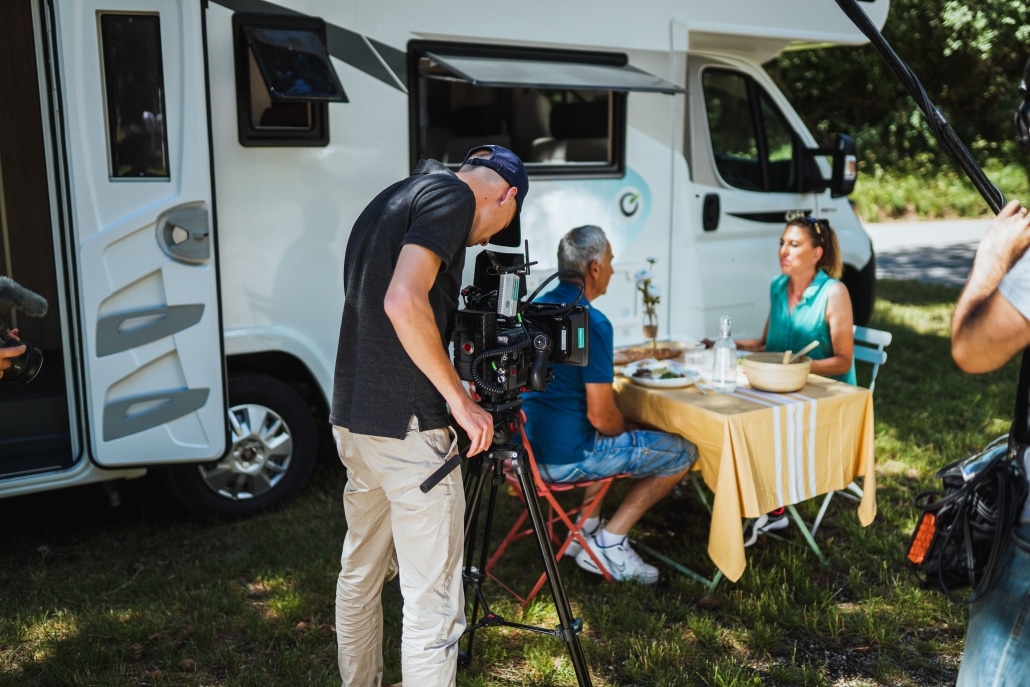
(377, 387)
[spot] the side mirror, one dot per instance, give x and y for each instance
(845, 166)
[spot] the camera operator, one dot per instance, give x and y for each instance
(392, 389)
(578, 433)
(8, 352)
(990, 325)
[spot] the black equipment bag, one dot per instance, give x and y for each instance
(964, 528)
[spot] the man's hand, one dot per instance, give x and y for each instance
(8, 352)
(477, 423)
(1006, 239)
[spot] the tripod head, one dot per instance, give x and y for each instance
(507, 417)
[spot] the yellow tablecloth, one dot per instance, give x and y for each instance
(759, 450)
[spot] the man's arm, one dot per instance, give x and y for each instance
(602, 411)
(407, 306)
(986, 330)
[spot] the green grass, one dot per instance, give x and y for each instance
(139, 595)
(922, 190)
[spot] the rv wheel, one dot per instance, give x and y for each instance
(273, 453)
(862, 289)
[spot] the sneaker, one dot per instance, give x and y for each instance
(763, 524)
(574, 545)
(621, 560)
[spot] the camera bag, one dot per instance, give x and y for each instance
(964, 527)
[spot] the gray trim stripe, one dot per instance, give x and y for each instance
(376, 59)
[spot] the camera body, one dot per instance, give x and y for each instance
(503, 346)
(24, 367)
(504, 356)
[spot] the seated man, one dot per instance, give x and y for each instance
(577, 432)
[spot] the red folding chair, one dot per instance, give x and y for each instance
(555, 514)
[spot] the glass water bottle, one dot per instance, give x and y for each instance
(724, 372)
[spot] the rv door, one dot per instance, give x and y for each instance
(134, 110)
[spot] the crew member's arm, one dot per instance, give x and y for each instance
(841, 320)
(986, 330)
(602, 412)
(407, 306)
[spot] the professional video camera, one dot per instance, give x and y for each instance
(503, 345)
(26, 366)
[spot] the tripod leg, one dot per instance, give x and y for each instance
(569, 627)
(479, 467)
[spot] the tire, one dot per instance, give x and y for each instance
(861, 286)
(274, 451)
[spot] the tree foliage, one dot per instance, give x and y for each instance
(969, 56)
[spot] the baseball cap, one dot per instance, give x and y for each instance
(511, 169)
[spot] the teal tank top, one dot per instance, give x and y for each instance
(792, 331)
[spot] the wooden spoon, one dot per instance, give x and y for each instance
(804, 350)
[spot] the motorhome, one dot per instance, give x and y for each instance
(178, 179)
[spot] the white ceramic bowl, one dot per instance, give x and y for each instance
(766, 372)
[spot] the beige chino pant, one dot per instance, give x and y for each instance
(391, 526)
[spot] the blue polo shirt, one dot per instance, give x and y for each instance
(556, 418)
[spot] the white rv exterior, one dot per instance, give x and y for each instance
(186, 215)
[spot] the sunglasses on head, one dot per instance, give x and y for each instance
(818, 225)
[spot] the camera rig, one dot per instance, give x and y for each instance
(504, 346)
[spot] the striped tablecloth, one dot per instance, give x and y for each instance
(760, 450)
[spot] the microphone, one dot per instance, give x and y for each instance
(21, 298)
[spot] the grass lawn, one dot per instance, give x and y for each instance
(140, 595)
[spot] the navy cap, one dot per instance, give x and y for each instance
(511, 169)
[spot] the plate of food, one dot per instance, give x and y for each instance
(659, 374)
(625, 356)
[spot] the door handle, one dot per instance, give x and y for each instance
(184, 233)
(710, 212)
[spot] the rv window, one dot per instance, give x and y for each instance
(562, 117)
(284, 80)
(137, 140)
(753, 145)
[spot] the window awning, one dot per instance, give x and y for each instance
(532, 73)
(294, 64)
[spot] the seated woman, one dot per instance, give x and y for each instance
(807, 303)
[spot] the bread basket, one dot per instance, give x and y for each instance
(766, 372)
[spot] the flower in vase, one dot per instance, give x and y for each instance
(650, 294)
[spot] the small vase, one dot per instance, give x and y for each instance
(651, 333)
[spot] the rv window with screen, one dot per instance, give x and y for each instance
(754, 146)
(556, 130)
(284, 80)
(137, 139)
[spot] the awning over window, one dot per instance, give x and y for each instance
(294, 64)
(531, 73)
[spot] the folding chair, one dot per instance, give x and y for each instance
(555, 514)
(869, 348)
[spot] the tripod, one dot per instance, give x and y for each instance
(490, 468)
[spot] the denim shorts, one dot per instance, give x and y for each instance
(997, 651)
(641, 453)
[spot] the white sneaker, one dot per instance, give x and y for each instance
(620, 559)
(763, 524)
(574, 546)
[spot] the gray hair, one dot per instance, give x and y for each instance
(581, 246)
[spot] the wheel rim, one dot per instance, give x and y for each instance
(262, 448)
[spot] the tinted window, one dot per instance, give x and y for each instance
(284, 80)
(137, 138)
(564, 131)
(754, 146)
